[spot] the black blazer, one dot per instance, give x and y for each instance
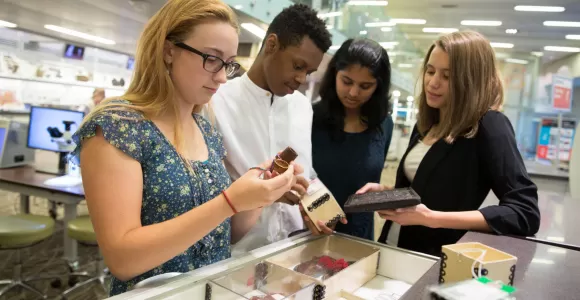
(458, 177)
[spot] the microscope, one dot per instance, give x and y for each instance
(62, 139)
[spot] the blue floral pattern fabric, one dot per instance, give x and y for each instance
(169, 188)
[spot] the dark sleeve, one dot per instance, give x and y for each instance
(388, 132)
(517, 212)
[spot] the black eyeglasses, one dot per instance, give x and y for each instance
(212, 63)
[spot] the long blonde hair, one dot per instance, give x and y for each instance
(475, 87)
(151, 91)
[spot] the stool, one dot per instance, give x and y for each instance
(23, 231)
(81, 230)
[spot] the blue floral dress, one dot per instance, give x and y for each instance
(169, 189)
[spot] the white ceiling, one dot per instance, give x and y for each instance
(119, 20)
(532, 34)
(123, 20)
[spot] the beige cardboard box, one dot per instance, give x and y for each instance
(460, 261)
(320, 205)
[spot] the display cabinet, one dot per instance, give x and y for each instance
(304, 267)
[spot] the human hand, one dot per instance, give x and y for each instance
(251, 192)
(373, 187)
(323, 228)
(295, 194)
(415, 215)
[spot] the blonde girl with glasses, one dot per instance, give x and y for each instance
(159, 196)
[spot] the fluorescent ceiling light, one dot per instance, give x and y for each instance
(254, 29)
(329, 26)
(409, 21)
(367, 3)
(517, 61)
(480, 23)
(79, 34)
(502, 45)
(363, 32)
(330, 14)
(561, 24)
(561, 49)
(334, 47)
(388, 45)
(238, 7)
(7, 24)
(439, 30)
(386, 29)
(538, 53)
(379, 24)
(573, 36)
(539, 8)
(405, 66)
(511, 31)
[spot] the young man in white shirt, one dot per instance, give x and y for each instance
(261, 113)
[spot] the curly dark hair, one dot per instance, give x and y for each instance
(329, 112)
(295, 22)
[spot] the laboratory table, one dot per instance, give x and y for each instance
(560, 225)
(27, 182)
(542, 271)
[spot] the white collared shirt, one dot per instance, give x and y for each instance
(255, 129)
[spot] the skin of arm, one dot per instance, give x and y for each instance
(242, 223)
(466, 220)
(129, 248)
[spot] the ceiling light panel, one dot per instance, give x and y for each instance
(254, 29)
(367, 3)
(573, 37)
(79, 34)
(562, 49)
(480, 23)
(502, 45)
(379, 24)
(561, 24)
(439, 30)
(539, 8)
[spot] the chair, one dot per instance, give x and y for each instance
(18, 232)
(81, 230)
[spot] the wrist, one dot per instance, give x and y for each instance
(229, 202)
(433, 219)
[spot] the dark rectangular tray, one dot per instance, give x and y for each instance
(389, 199)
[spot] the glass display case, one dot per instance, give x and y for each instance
(303, 267)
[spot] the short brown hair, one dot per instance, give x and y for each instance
(475, 86)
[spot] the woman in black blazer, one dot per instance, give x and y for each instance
(461, 148)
